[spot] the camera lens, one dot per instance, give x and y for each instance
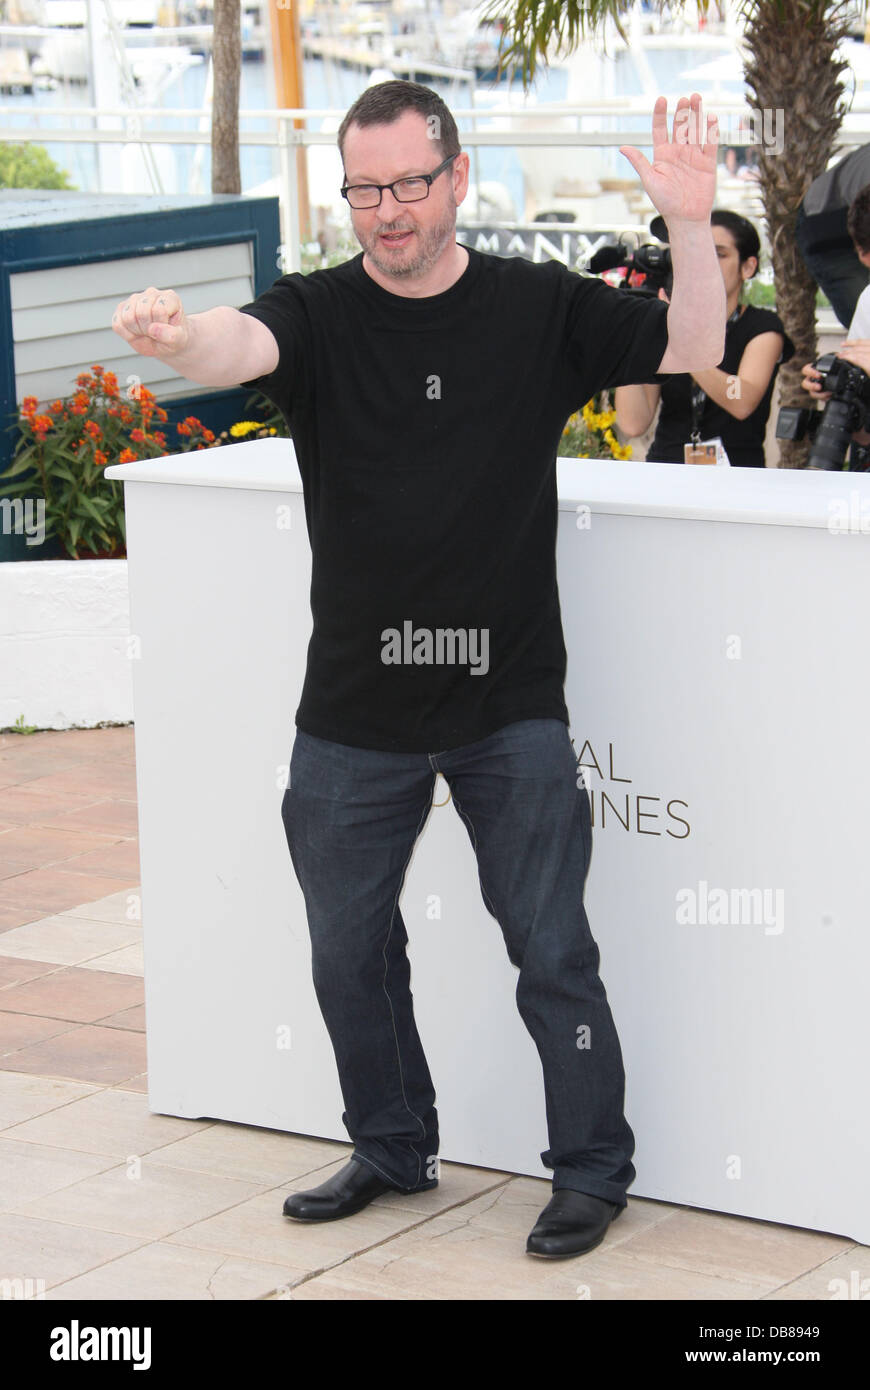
(832, 440)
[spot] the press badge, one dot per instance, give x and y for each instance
(706, 451)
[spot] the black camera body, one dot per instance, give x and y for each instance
(655, 263)
(831, 430)
(651, 261)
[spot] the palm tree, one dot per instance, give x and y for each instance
(227, 59)
(792, 67)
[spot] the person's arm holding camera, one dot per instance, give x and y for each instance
(858, 225)
(741, 392)
(857, 351)
(635, 408)
(812, 382)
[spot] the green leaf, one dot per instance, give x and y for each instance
(89, 505)
(18, 465)
(21, 489)
(58, 471)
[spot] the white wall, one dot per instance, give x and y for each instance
(64, 627)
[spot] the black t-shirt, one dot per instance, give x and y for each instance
(743, 439)
(426, 432)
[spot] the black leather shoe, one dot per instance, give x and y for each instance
(346, 1192)
(570, 1224)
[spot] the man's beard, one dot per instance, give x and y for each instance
(420, 254)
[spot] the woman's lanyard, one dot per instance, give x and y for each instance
(699, 396)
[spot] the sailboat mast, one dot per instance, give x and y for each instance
(289, 93)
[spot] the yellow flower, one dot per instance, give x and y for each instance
(244, 427)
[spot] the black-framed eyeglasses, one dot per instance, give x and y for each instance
(411, 190)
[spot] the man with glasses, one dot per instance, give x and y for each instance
(426, 386)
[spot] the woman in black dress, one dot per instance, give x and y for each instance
(732, 401)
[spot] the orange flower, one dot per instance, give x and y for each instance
(161, 415)
(84, 380)
(93, 429)
(113, 410)
(43, 423)
(56, 407)
(208, 436)
(110, 383)
(193, 422)
(97, 369)
(160, 438)
(126, 414)
(128, 456)
(137, 436)
(183, 428)
(29, 405)
(100, 459)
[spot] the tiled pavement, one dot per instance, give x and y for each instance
(101, 1199)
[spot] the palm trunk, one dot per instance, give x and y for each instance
(792, 71)
(227, 58)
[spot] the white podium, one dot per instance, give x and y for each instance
(718, 692)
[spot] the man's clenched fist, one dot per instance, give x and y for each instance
(153, 322)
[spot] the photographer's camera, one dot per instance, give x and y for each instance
(831, 430)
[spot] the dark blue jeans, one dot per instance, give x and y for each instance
(352, 816)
